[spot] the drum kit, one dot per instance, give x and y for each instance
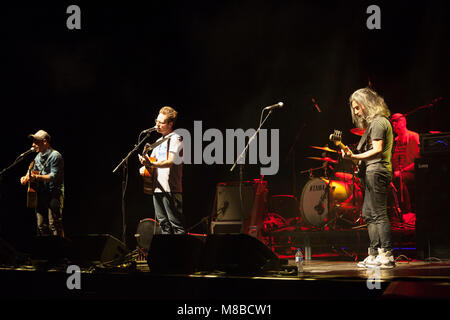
(333, 199)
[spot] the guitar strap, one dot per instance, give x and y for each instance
(168, 147)
(362, 141)
(46, 161)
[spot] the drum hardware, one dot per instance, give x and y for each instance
(325, 159)
(397, 208)
(287, 206)
(146, 229)
(340, 216)
(324, 149)
(361, 226)
(357, 131)
(273, 222)
(310, 170)
(320, 208)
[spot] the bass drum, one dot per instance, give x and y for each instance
(321, 197)
(146, 229)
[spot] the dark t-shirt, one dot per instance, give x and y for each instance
(379, 129)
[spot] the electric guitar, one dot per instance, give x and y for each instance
(32, 187)
(336, 137)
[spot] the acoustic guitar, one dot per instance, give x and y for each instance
(148, 173)
(32, 187)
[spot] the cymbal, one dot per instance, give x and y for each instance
(357, 131)
(324, 149)
(323, 159)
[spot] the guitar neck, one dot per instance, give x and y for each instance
(344, 147)
(341, 145)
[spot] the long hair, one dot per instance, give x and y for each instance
(374, 106)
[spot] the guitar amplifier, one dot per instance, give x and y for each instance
(435, 144)
(234, 201)
(234, 206)
(433, 207)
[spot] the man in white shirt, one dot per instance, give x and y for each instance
(167, 174)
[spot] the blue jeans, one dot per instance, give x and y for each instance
(375, 210)
(169, 212)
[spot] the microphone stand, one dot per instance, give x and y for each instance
(427, 106)
(251, 139)
(18, 160)
(124, 165)
(292, 152)
(424, 106)
(242, 155)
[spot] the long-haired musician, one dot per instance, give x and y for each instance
(370, 112)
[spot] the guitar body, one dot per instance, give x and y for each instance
(147, 178)
(336, 137)
(32, 200)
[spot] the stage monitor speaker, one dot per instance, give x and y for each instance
(175, 253)
(238, 254)
(49, 248)
(228, 206)
(433, 207)
(96, 248)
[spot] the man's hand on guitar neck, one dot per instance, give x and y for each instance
(347, 154)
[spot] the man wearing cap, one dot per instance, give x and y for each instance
(406, 150)
(50, 185)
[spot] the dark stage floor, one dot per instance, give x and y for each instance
(324, 278)
(330, 275)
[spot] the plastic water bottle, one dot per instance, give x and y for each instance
(299, 260)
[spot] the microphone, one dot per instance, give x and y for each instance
(278, 105)
(316, 105)
(150, 129)
(27, 152)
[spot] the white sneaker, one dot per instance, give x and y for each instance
(385, 259)
(369, 262)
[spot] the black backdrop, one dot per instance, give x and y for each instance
(220, 62)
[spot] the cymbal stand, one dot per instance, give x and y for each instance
(326, 194)
(397, 208)
(310, 171)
